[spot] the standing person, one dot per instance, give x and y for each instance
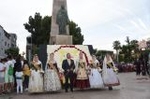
(19, 80)
(95, 77)
(2, 72)
(143, 62)
(26, 72)
(17, 67)
(36, 77)
(82, 80)
(9, 79)
(5, 84)
(137, 63)
(51, 78)
(109, 73)
(68, 66)
(148, 64)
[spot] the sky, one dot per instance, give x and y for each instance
(101, 21)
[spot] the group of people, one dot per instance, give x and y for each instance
(142, 65)
(76, 74)
(72, 74)
(14, 74)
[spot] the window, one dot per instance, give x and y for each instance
(5, 43)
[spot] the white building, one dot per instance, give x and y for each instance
(7, 40)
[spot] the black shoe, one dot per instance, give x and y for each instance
(71, 90)
(110, 88)
(66, 90)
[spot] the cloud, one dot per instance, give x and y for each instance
(101, 21)
(142, 24)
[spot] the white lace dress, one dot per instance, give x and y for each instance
(51, 80)
(36, 81)
(95, 77)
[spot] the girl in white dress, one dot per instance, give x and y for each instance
(36, 77)
(51, 78)
(109, 73)
(95, 77)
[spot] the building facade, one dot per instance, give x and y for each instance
(7, 40)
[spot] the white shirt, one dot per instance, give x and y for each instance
(10, 62)
(69, 61)
(7, 64)
(2, 66)
(14, 61)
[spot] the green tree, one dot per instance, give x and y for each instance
(125, 51)
(101, 53)
(75, 31)
(14, 51)
(130, 50)
(135, 49)
(94, 51)
(40, 30)
(117, 46)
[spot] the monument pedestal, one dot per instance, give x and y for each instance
(61, 40)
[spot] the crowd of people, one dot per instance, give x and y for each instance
(17, 74)
(14, 74)
(142, 65)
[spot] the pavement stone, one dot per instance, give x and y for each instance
(132, 87)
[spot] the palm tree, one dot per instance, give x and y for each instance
(117, 46)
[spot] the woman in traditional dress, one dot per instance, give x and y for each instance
(109, 73)
(82, 80)
(36, 77)
(95, 75)
(51, 78)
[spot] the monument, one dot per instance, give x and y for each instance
(60, 39)
(59, 25)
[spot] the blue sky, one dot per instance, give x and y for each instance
(101, 21)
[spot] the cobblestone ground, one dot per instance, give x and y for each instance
(132, 87)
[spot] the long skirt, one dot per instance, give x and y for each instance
(82, 80)
(51, 81)
(35, 82)
(82, 84)
(95, 79)
(111, 79)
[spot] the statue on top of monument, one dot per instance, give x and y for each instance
(62, 20)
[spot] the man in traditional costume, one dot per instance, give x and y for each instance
(68, 66)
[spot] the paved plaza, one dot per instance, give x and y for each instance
(131, 87)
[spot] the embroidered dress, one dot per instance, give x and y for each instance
(82, 80)
(109, 75)
(36, 78)
(51, 78)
